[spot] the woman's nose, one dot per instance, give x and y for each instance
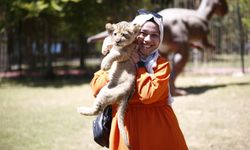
(147, 38)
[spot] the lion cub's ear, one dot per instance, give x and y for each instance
(110, 28)
(135, 28)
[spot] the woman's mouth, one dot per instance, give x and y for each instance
(147, 46)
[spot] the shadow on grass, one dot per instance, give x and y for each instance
(57, 81)
(201, 89)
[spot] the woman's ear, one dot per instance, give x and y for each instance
(109, 28)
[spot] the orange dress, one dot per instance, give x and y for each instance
(150, 122)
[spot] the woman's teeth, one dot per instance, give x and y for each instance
(147, 46)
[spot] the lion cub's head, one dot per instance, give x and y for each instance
(123, 33)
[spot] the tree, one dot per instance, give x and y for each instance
(40, 23)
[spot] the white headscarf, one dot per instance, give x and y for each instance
(143, 18)
(150, 61)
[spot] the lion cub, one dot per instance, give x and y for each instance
(121, 74)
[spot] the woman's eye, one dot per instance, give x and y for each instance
(155, 35)
(143, 33)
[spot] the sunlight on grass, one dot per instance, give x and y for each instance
(216, 113)
(220, 61)
(42, 116)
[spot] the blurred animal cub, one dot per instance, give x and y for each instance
(121, 74)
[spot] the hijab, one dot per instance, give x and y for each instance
(141, 19)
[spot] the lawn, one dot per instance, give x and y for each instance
(41, 115)
(216, 113)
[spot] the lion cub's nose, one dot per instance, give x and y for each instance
(118, 42)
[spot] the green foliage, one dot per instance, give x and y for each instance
(71, 20)
(245, 11)
(81, 16)
(33, 9)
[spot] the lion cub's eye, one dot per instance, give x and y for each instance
(125, 35)
(114, 34)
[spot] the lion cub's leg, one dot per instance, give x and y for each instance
(101, 101)
(105, 97)
(109, 59)
(107, 45)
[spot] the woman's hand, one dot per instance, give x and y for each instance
(135, 57)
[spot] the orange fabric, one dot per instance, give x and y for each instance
(150, 122)
(99, 80)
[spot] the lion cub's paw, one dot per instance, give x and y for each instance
(87, 111)
(105, 66)
(83, 110)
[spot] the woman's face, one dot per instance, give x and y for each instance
(149, 38)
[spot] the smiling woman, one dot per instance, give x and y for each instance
(149, 120)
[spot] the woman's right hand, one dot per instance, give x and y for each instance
(135, 57)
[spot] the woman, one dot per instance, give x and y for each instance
(150, 121)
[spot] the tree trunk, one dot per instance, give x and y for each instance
(241, 37)
(84, 50)
(49, 67)
(19, 46)
(218, 39)
(3, 52)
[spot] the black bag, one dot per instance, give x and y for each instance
(101, 127)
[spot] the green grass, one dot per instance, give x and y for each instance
(41, 115)
(219, 61)
(216, 113)
(44, 116)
